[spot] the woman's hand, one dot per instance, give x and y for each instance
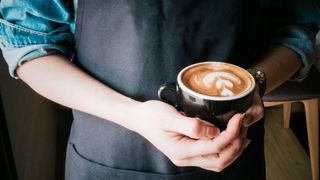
(253, 114)
(255, 111)
(188, 141)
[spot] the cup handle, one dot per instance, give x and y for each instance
(168, 87)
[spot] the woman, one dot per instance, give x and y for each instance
(124, 50)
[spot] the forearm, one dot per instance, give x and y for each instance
(57, 79)
(279, 63)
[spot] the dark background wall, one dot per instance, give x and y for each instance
(37, 129)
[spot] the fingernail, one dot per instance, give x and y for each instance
(244, 116)
(247, 121)
(212, 132)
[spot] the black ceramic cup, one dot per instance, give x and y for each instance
(215, 109)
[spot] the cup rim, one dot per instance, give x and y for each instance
(215, 98)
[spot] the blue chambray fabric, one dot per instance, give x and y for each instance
(31, 29)
(302, 41)
(298, 34)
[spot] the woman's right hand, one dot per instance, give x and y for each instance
(188, 141)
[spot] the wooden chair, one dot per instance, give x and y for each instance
(307, 92)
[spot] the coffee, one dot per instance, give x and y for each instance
(212, 91)
(217, 79)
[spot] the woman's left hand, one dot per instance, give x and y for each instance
(251, 116)
(254, 113)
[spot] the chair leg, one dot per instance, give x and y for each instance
(286, 114)
(312, 118)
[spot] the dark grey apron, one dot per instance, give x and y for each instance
(134, 46)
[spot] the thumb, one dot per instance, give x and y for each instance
(195, 128)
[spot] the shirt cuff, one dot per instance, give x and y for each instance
(302, 41)
(17, 56)
(20, 44)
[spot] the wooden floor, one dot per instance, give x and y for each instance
(285, 157)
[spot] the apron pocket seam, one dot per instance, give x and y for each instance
(101, 170)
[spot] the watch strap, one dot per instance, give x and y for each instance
(260, 79)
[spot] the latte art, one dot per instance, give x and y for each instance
(218, 80)
(221, 80)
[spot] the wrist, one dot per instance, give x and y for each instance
(120, 111)
(139, 115)
(127, 113)
(147, 116)
(260, 79)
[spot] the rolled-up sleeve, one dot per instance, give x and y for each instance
(302, 41)
(31, 29)
(297, 23)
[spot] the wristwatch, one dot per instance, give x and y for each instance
(260, 79)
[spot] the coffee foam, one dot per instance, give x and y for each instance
(217, 79)
(221, 80)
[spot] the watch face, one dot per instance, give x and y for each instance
(260, 78)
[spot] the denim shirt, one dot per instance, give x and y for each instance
(32, 29)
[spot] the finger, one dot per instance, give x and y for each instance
(209, 163)
(211, 156)
(182, 113)
(194, 127)
(243, 132)
(230, 134)
(232, 152)
(217, 162)
(229, 155)
(254, 113)
(191, 148)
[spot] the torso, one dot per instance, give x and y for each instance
(135, 46)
